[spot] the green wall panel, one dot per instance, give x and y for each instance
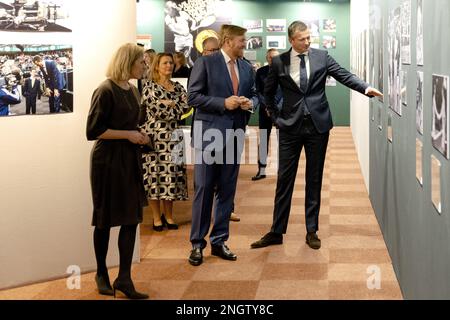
(151, 21)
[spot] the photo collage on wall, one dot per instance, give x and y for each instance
(36, 66)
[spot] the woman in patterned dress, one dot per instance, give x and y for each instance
(165, 177)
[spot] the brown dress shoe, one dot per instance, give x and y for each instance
(313, 240)
(268, 240)
(234, 217)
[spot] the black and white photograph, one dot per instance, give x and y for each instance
(276, 25)
(254, 42)
(419, 148)
(329, 25)
(419, 37)
(404, 88)
(419, 102)
(276, 42)
(35, 79)
(380, 43)
(436, 183)
(389, 129)
(329, 42)
(406, 31)
(394, 51)
(35, 16)
(254, 26)
(185, 19)
(440, 121)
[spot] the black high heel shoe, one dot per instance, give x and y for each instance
(170, 226)
(158, 228)
(127, 288)
(103, 284)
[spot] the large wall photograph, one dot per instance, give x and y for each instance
(191, 21)
(35, 79)
(36, 63)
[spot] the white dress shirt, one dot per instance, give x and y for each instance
(227, 60)
(295, 66)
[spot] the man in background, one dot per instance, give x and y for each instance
(265, 123)
(32, 91)
(54, 82)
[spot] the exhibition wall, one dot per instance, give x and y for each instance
(151, 22)
(359, 104)
(409, 191)
(46, 206)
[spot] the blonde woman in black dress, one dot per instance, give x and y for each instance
(165, 178)
(116, 167)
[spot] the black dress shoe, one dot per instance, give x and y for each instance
(258, 177)
(170, 226)
(313, 240)
(103, 284)
(158, 228)
(196, 257)
(269, 239)
(127, 288)
(223, 251)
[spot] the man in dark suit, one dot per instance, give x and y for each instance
(54, 82)
(31, 91)
(304, 120)
(265, 122)
(222, 90)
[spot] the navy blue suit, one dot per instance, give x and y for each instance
(298, 130)
(209, 85)
(53, 80)
(31, 93)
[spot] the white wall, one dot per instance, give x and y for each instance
(45, 197)
(359, 104)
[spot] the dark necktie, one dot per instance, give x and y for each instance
(303, 73)
(303, 78)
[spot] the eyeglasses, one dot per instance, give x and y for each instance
(212, 50)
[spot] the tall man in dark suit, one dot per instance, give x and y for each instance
(222, 90)
(54, 82)
(265, 122)
(31, 91)
(304, 120)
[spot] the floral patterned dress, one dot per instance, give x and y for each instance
(164, 169)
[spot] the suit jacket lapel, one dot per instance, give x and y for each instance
(242, 74)
(222, 63)
(312, 67)
(286, 60)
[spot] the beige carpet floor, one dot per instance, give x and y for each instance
(352, 259)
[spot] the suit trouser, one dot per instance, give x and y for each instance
(30, 105)
(208, 175)
(265, 129)
(290, 147)
(54, 103)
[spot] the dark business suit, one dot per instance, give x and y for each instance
(31, 92)
(265, 122)
(298, 130)
(53, 80)
(209, 85)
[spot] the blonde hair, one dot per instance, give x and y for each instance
(119, 67)
(155, 65)
(181, 56)
(229, 31)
